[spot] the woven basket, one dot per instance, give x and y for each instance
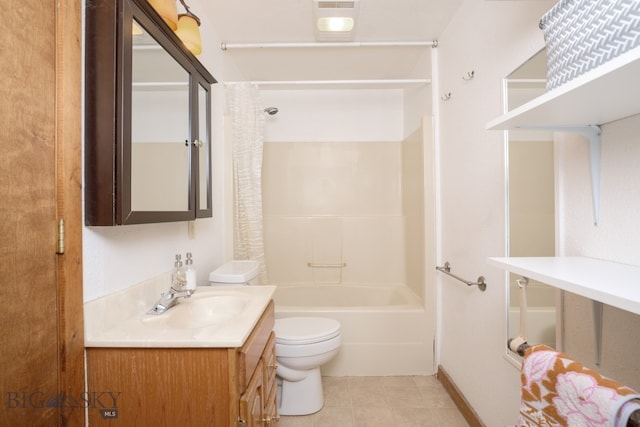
(583, 34)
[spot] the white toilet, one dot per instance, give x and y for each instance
(302, 345)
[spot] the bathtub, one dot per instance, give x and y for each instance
(385, 328)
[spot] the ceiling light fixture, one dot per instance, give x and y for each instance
(335, 23)
(335, 20)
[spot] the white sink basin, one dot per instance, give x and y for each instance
(206, 309)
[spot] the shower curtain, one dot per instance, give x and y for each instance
(248, 121)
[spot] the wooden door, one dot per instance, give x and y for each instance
(40, 182)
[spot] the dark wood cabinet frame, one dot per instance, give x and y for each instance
(107, 157)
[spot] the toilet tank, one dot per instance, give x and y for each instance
(236, 272)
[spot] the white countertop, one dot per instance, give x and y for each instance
(212, 317)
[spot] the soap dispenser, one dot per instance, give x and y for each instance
(178, 277)
(190, 272)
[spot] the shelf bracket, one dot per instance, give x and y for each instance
(593, 133)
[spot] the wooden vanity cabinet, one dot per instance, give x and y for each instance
(218, 387)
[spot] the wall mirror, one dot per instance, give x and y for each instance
(530, 208)
(148, 127)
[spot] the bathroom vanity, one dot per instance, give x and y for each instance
(173, 371)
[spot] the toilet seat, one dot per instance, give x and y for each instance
(305, 330)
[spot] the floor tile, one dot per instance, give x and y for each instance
(333, 417)
(407, 401)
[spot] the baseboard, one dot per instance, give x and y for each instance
(458, 398)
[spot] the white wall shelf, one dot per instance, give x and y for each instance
(606, 93)
(611, 283)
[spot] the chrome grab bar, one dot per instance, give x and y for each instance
(480, 283)
(314, 265)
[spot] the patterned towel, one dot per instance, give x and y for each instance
(558, 391)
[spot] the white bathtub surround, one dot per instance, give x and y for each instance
(354, 296)
(248, 123)
(383, 326)
(333, 202)
(326, 250)
(354, 203)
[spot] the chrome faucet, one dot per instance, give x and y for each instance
(176, 291)
(169, 299)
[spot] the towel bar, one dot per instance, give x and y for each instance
(480, 283)
(314, 265)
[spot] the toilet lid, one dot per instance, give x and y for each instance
(305, 330)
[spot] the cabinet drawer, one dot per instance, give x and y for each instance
(252, 350)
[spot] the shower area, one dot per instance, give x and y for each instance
(348, 217)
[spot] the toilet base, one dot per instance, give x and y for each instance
(302, 397)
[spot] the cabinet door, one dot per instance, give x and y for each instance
(271, 415)
(146, 103)
(252, 400)
(158, 142)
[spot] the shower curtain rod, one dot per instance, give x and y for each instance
(336, 82)
(227, 46)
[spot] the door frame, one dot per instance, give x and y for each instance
(69, 206)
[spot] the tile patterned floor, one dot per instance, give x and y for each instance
(408, 401)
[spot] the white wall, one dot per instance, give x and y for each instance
(334, 115)
(116, 258)
(492, 39)
(615, 238)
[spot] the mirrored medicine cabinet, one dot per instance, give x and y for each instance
(531, 209)
(147, 119)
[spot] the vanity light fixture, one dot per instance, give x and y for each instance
(335, 20)
(168, 10)
(189, 30)
(185, 25)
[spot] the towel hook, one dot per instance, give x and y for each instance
(446, 96)
(469, 76)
